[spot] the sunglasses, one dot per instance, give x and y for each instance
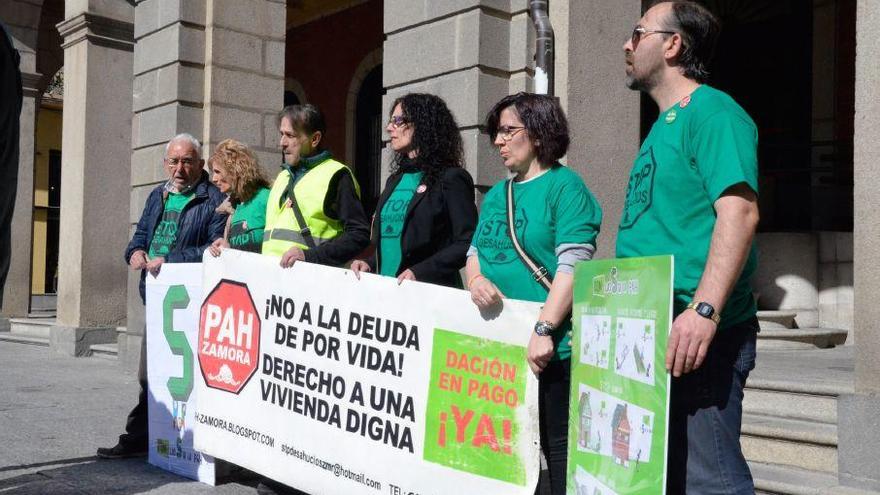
(640, 32)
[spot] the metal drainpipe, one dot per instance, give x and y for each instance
(544, 47)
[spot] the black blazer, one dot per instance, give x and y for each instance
(437, 229)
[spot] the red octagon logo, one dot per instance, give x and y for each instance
(229, 337)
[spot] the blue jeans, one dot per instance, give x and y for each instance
(705, 418)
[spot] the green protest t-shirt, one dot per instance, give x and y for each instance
(552, 209)
(166, 231)
(391, 218)
(248, 223)
(695, 151)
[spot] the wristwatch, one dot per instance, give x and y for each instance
(544, 328)
(705, 310)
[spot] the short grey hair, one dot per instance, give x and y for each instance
(189, 138)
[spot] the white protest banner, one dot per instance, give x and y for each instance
(331, 384)
(173, 300)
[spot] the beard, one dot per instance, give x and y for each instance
(642, 82)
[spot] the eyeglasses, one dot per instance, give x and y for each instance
(187, 162)
(506, 133)
(397, 120)
(640, 32)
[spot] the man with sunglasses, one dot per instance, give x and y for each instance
(314, 212)
(693, 193)
(178, 223)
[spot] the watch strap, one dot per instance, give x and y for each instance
(715, 316)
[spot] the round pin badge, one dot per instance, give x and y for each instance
(685, 101)
(670, 117)
(422, 188)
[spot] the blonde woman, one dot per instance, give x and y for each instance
(236, 172)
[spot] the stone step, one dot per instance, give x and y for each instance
(785, 480)
(33, 327)
(105, 351)
(24, 339)
(776, 319)
(44, 302)
(790, 442)
(821, 408)
(800, 338)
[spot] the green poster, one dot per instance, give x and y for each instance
(475, 401)
(621, 318)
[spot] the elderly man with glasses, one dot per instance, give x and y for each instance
(178, 223)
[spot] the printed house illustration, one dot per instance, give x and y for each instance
(586, 420)
(620, 430)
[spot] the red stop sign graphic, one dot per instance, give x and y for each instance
(229, 337)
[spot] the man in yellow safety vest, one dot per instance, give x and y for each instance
(314, 211)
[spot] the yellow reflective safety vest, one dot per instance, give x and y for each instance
(282, 230)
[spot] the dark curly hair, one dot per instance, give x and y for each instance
(436, 137)
(543, 119)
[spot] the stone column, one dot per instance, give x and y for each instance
(858, 421)
(603, 113)
(169, 59)
(211, 68)
(244, 75)
(98, 44)
(17, 292)
(22, 21)
(470, 53)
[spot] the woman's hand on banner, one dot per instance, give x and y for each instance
(484, 293)
(358, 266)
(539, 352)
(292, 255)
(406, 275)
(218, 246)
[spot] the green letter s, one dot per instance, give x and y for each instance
(178, 298)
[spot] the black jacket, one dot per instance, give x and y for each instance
(199, 225)
(437, 230)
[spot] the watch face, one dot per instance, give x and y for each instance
(705, 310)
(543, 329)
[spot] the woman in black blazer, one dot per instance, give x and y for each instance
(426, 214)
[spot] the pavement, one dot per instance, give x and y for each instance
(55, 411)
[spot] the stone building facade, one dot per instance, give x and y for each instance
(138, 72)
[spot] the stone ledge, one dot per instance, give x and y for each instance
(800, 338)
(100, 30)
(24, 339)
(76, 341)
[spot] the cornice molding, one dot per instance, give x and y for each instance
(97, 29)
(30, 82)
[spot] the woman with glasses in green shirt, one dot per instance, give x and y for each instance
(426, 214)
(236, 172)
(555, 223)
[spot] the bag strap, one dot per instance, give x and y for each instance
(297, 213)
(539, 273)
